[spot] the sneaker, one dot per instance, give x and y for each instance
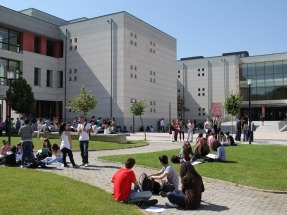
(86, 165)
(171, 205)
(83, 164)
(147, 203)
(162, 194)
(21, 166)
(76, 166)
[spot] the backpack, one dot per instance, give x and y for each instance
(146, 184)
(10, 159)
(175, 159)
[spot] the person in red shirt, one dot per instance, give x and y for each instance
(123, 180)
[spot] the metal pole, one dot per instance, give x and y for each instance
(169, 113)
(9, 117)
(65, 77)
(133, 123)
(183, 95)
(249, 104)
(111, 68)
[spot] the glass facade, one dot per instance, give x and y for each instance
(269, 80)
(7, 65)
(9, 40)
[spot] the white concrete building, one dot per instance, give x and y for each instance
(117, 57)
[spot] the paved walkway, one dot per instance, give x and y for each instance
(219, 196)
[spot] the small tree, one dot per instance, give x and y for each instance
(232, 105)
(22, 98)
(137, 109)
(84, 102)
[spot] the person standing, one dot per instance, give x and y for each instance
(162, 125)
(181, 129)
(66, 144)
(123, 179)
(84, 128)
(190, 127)
(26, 134)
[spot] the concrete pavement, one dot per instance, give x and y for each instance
(219, 197)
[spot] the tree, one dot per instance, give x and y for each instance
(232, 105)
(181, 105)
(84, 102)
(22, 98)
(137, 109)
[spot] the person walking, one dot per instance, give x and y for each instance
(66, 144)
(26, 134)
(84, 128)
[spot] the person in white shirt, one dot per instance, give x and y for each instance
(84, 128)
(162, 125)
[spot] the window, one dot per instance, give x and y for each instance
(71, 47)
(71, 40)
(202, 69)
(151, 72)
(135, 43)
(203, 114)
(70, 78)
(153, 80)
(198, 94)
(178, 71)
(131, 34)
(75, 40)
(153, 102)
(135, 35)
(150, 42)
(198, 74)
(198, 89)
(37, 76)
(198, 70)
(150, 110)
(132, 42)
(199, 114)
(199, 109)
(150, 49)
(75, 78)
(61, 79)
(203, 89)
(9, 40)
(203, 109)
(203, 94)
(37, 45)
(153, 44)
(70, 71)
(135, 68)
(75, 70)
(153, 51)
(132, 67)
(178, 91)
(178, 76)
(49, 79)
(150, 102)
(75, 47)
(50, 48)
(135, 76)
(150, 79)
(154, 110)
(132, 75)
(202, 74)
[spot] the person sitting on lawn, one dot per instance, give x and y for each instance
(201, 150)
(46, 150)
(5, 148)
(57, 155)
(123, 180)
(230, 140)
(198, 139)
(192, 188)
(219, 148)
(168, 172)
(185, 152)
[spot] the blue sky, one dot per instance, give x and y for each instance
(202, 27)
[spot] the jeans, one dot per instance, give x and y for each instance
(139, 196)
(176, 197)
(50, 160)
(181, 133)
(162, 128)
(84, 146)
(66, 151)
(26, 151)
(190, 135)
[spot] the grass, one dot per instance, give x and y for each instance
(258, 166)
(93, 145)
(28, 191)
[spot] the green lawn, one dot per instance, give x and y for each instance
(258, 166)
(28, 191)
(93, 145)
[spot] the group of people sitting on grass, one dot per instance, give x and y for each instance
(127, 188)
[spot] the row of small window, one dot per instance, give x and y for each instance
(75, 40)
(152, 73)
(152, 102)
(202, 74)
(203, 89)
(152, 80)
(49, 78)
(201, 111)
(152, 43)
(133, 75)
(201, 69)
(152, 50)
(152, 110)
(71, 71)
(75, 47)
(201, 94)
(73, 79)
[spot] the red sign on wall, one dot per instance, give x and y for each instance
(216, 109)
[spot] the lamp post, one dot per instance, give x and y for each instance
(2, 97)
(249, 83)
(10, 77)
(133, 101)
(111, 108)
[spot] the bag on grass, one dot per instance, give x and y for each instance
(175, 159)
(146, 184)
